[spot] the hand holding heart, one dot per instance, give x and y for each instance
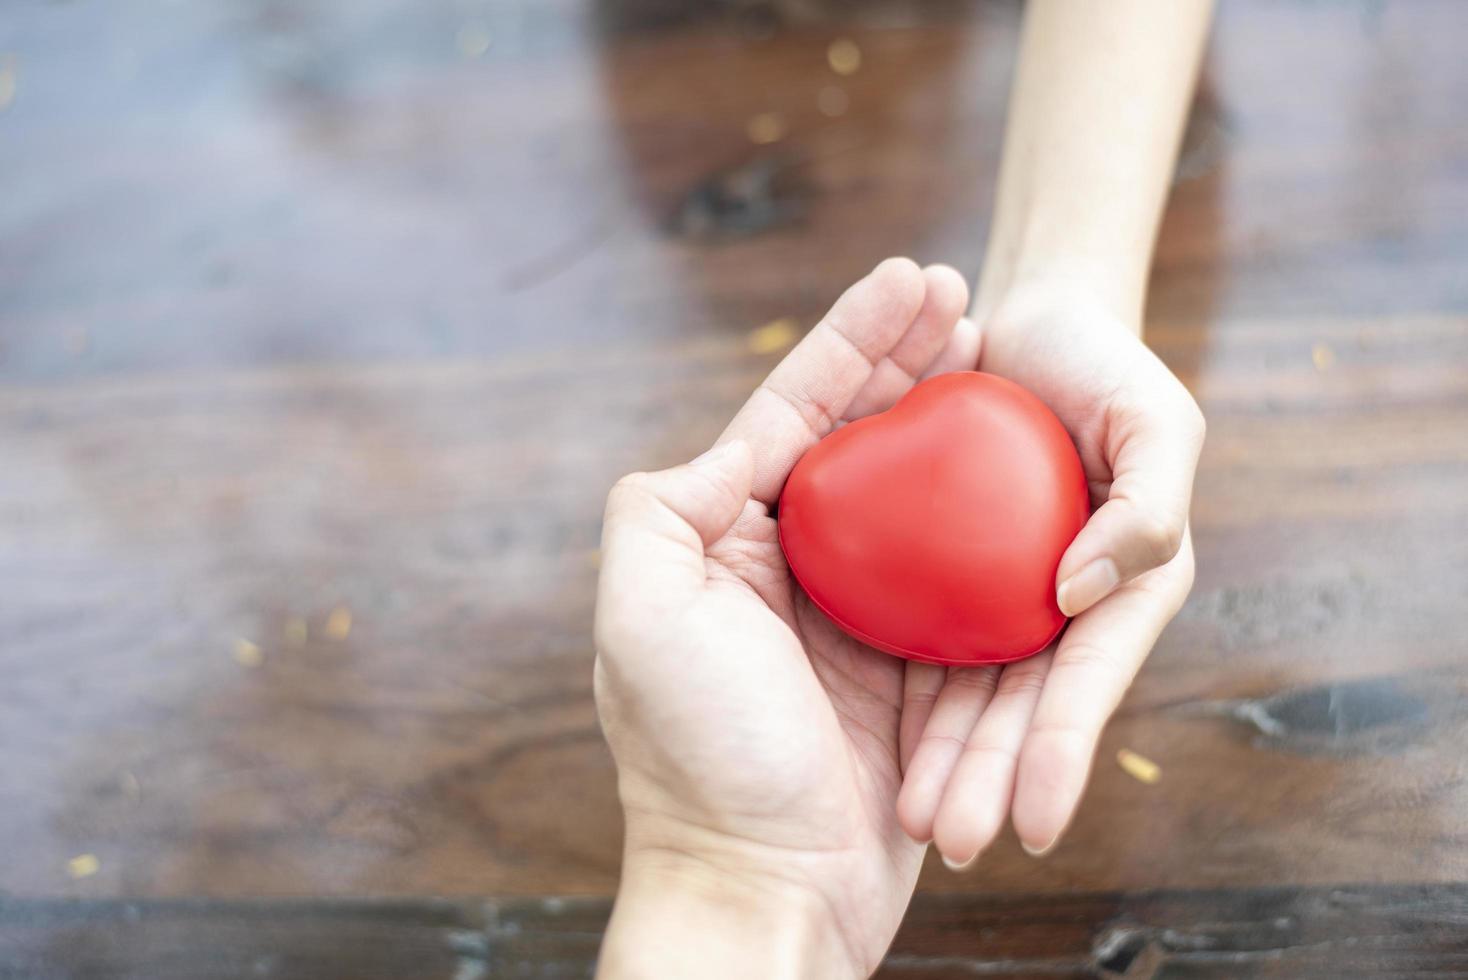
(757, 741)
(1019, 740)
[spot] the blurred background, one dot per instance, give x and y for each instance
(325, 326)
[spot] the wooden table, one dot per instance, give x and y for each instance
(324, 328)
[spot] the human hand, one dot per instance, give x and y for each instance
(759, 749)
(1021, 738)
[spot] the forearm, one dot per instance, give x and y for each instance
(1100, 96)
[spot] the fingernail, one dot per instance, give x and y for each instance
(715, 454)
(960, 866)
(1040, 852)
(1087, 587)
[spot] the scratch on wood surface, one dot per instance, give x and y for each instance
(1126, 951)
(745, 200)
(472, 949)
(981, 966)
(1365, 715)
(1140, 952)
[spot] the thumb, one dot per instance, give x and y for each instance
(1141, 524)
(657, 525)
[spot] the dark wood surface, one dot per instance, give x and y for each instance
(1379, 932)
(337, 319)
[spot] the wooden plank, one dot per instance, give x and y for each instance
(1347, 931)
(360, 322)
(206, 509)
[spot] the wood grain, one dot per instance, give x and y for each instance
(307, 309)
(1301, 934)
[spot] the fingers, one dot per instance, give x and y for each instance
(1096, 661)
(920, 686)
(1140, 526)
(656, 528)
(943, 303)
(811, 389)
(961, 353)
(964, 695)
(977, 797)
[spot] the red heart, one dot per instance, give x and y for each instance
(933, 531)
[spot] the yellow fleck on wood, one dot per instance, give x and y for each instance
(844, 56)
(83, 866)
(777, 335)
(833, 101)
(339, 623)
(296, 631)
(8, 76)
(1322, 356)
(472, 40)
(593, 557)
(765, 128)
(1139, 767)
(247, 654)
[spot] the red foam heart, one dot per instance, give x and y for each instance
(933, 531)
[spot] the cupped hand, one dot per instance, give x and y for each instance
(1019, 740)
(751, 736)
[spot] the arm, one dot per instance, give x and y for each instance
(677, 916)
(1100, 96)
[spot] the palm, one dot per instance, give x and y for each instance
(1021, 739)
(829, 769)
(1078, 366)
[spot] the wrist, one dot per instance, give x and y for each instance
(712, 912)
(1066, 291)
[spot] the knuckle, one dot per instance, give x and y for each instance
(942, 740)
(628, 492)
(1087, 657)
(918, 700)
(1021, 686)
(633, 484)
(1001, 752)
(980, 679)
(1160, 537)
